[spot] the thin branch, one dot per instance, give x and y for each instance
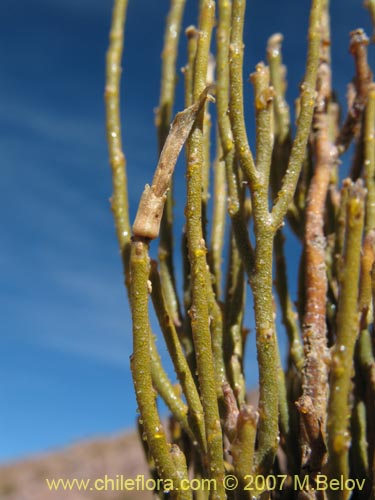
(352, 123)
(167, 392)
(289, 315)
(277, 73)
(119, 200)
(168, 71)
(141, 365)
(347, 331)
(369, 158)
(370, 5)
(199, 312)
(218, 219)
(235, 208)
(242, 449)
(192, 34)
(234, 339)
(236, 105)
(263, 96)
(180, 364)
(162, 120)
(307, 103)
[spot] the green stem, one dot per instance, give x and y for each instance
(119, 200)
(263, 96)
(162, 121)
(179, 361)
(369, 158)
(179, 460)
(218, 220)
(234, 337)
(141, 365)
(267, 351)
(199, 312)
(370, 4)
(307, 103)
(236, 105)
(277, 73)
(167, 392)
(342, 355)
(216, 327)
(289, 315)
(242, 449)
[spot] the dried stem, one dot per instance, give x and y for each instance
(352, 123)
(151, 205)
(314, 332)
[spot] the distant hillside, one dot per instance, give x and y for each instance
(122, 454)
(25, 480)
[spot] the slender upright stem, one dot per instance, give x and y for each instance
(119, 200)
(167, 392)
(199, 312)
(242, 449)
(369, 158)
(218, 220)
(263, 96)
(181, 366)
(289, 315)
(162, 120)
(236, 105)
(307, 103)
(347, 331)
(141, 364)
(370, 4)
(277, 73)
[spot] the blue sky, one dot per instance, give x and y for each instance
(66, 331)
